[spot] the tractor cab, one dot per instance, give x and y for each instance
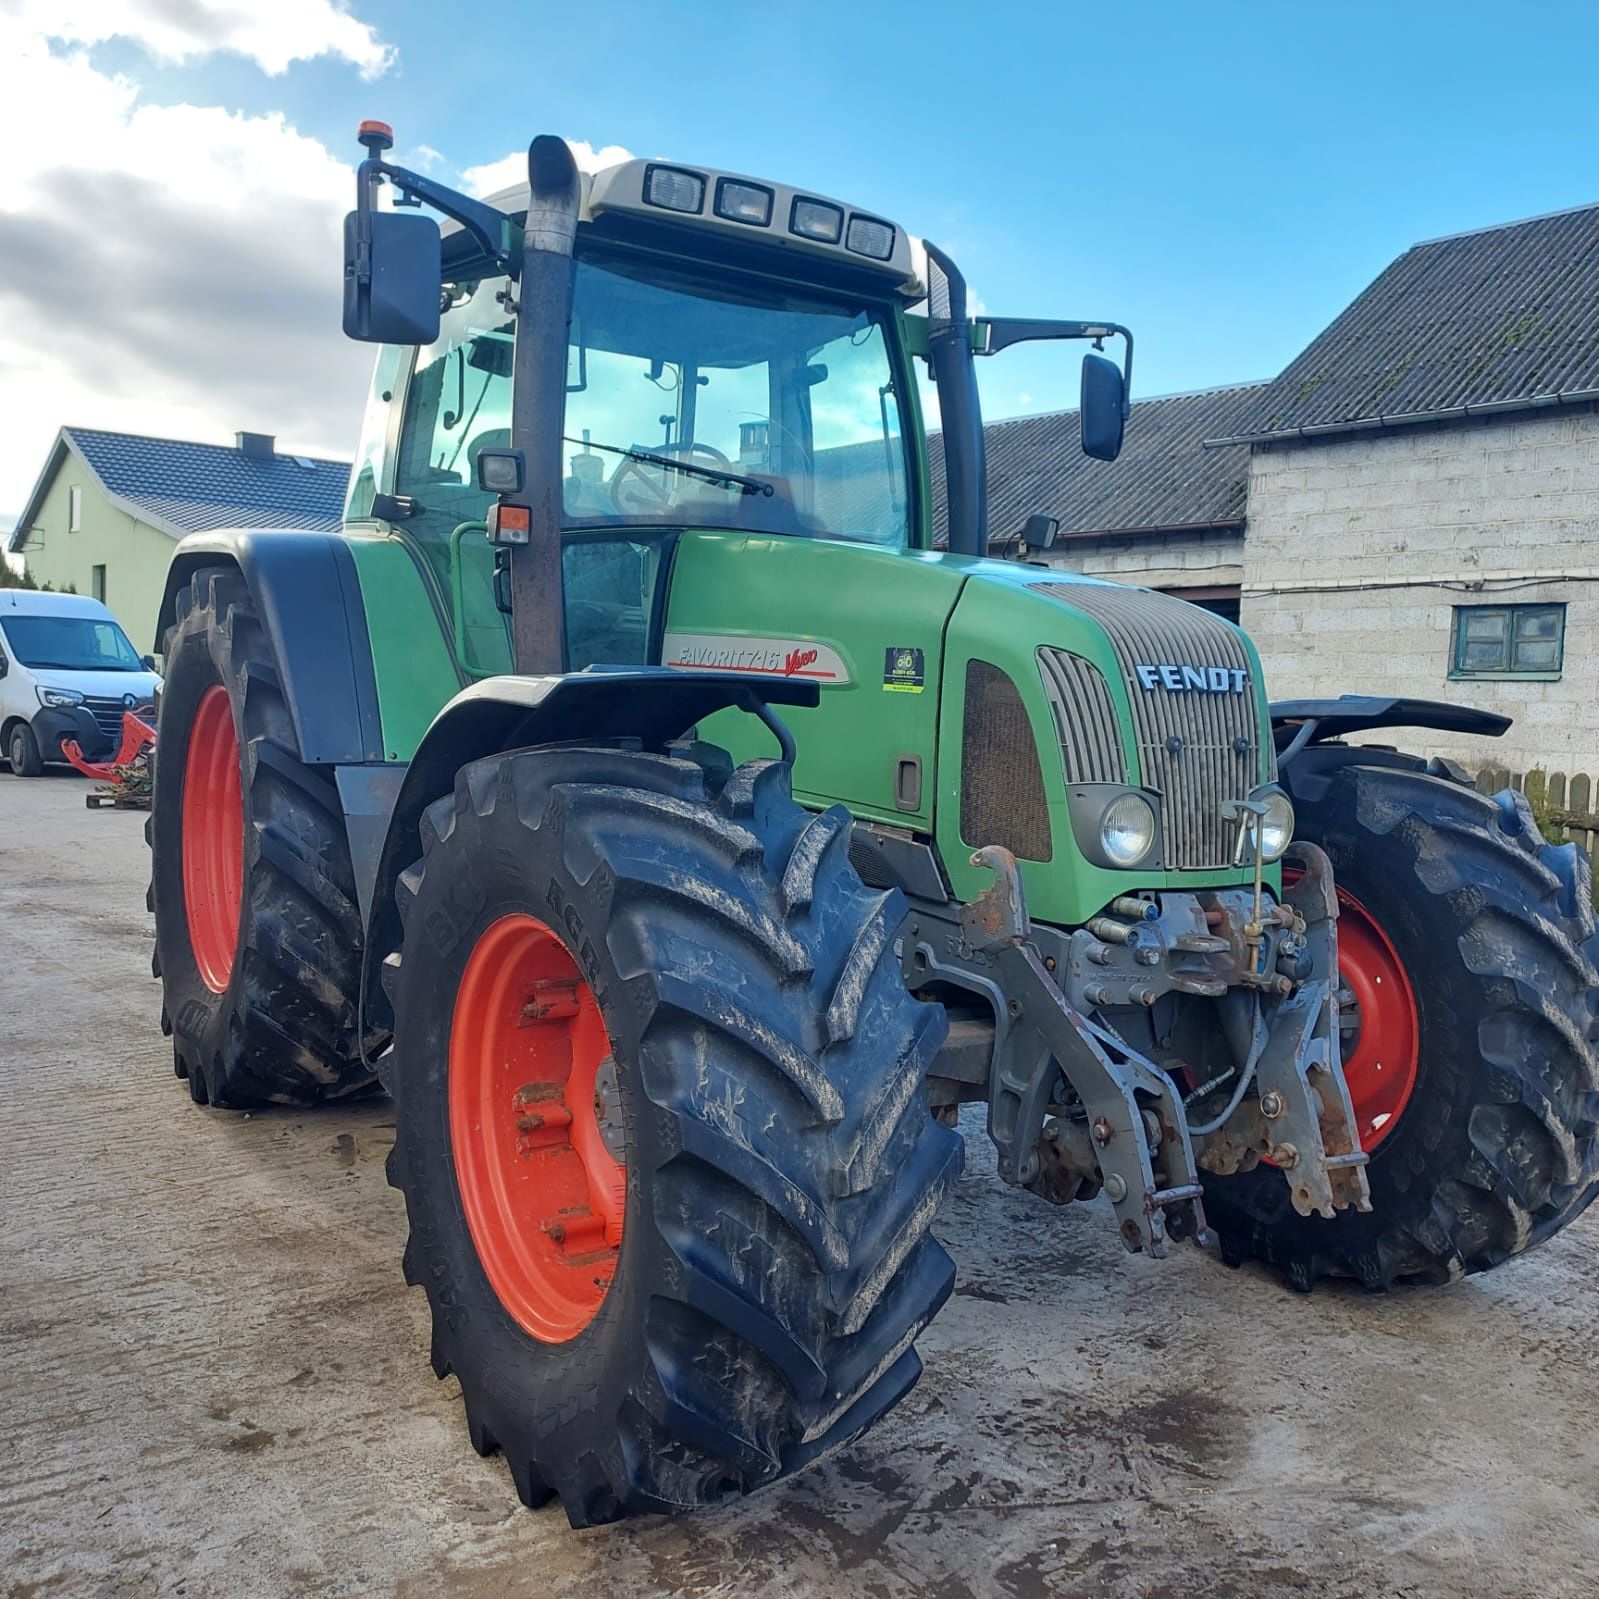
(737, 358)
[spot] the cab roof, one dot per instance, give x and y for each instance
(627, 188)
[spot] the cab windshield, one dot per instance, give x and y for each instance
(734, 404)
(71, 644)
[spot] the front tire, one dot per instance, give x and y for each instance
(1486, 1142)
(714, 1272)
(23, 752)
(257, 932)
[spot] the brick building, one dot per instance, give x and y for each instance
(1423, 493)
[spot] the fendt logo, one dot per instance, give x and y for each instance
(1193, 679)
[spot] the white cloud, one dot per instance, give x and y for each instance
(510, 171)
(274, 36)
(167, 269)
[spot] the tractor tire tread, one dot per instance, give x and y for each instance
(286, 1031)
(1511, 941)
(793, 1275)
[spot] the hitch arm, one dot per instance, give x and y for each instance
(1136, 1120)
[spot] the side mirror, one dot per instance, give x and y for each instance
(148, 663)
(1103, 408)
(392, 278)
(1038, 531)
(5, 666)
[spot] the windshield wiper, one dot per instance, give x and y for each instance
(711, 474)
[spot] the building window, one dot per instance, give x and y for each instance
(74, 509)
(97, 583)
(1508, 641)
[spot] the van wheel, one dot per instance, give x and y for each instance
(24, 752)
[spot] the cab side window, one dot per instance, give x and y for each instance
(458, 402)
(366, 474)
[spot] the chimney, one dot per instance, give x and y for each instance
(255, 446)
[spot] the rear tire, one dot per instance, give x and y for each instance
(23, 752)
(1497, 1146)
(259, 992)
(758, 1308)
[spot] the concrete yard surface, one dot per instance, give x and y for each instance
(214, 1381)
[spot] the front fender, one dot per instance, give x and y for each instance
(308, 597)
(653, 704)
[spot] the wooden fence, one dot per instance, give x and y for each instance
(1564, 805)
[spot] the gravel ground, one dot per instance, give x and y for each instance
(213, 1381)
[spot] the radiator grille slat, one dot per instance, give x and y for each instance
(1085, 718)
(107, 714)
(1219, 736)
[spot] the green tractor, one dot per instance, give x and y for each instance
(683, 839)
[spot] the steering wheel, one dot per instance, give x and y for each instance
(655, 481)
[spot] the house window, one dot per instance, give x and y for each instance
(97, 583)
(74, 509)
(1508, 641)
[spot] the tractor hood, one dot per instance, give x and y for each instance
(1113, 687)
(970, 699)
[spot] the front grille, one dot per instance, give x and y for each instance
(107, 714)
(1196, 749)
(1085, 718)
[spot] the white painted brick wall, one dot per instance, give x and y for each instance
(1410, 510)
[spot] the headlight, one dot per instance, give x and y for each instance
(57, 698)
(1277, 825)
(743, 202)
(868, 236)
(816, 219)
(673, 189)
(1127, 829)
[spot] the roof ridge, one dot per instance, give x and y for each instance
(201, 444)
(1500, 227)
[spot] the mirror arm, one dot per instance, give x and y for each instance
(999, 333)
(497, 235)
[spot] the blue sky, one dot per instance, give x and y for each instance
(1223, 178)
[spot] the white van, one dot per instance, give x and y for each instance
(67, 670)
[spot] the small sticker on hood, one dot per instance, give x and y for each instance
(904, 669)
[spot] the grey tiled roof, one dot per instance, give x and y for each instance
(1496, 320)
(196, 487)
(1164, 480)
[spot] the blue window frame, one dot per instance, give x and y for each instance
(1526, 641)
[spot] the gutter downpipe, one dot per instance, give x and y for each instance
(955, 374)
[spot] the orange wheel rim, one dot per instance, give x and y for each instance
(1381, 1032)
(213, 839)
(1382, 1044)
(535, 1128)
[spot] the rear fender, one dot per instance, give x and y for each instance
(651, 704)
(1362, 713)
